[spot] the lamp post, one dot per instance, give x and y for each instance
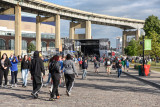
(111, 51)
(143, 35)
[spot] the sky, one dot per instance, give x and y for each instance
(135, 9)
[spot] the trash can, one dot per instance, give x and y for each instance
(140, 70)
(146, 70)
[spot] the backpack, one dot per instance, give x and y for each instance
(54, 67)
(108, 63)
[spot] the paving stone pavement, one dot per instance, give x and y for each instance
(154, 76)
(98, 90)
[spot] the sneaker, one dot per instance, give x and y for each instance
(12, 86)
(22, 85)
(15, 85)
(52, 99)
(69, 94)
(1, 86)
(57, 97)
(5, 86)
(35, 96)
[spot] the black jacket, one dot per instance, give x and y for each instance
(25, 64)
(119, 65)
(56, 74)
(37, 66)
(7, 64)
(84, 65)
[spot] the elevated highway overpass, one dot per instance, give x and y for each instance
(79, 19)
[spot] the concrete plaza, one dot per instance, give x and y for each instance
(98, 90)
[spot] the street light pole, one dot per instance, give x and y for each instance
(143, 54)
(143, 35)
(111, 51)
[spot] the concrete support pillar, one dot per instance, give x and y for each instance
(88, 30)
(124, 40)
(18, 38)
(71, 30)
(57, 32)
(38, 33)
(137, 34)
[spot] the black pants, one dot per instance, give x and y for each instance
(14, 77)
(55, 86)
(69, 79)
(5, 74)
(37, 84)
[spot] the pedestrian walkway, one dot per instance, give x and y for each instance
(153, 78)
(98, 90)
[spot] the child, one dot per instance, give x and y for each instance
(14, 71)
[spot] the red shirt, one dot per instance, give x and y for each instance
(80, 62)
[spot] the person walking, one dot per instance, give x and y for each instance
(80, 64)
(84, 67)
(123, 64)
(25, 66)
(36, 69)
(4, 69)
(69, 72)
(55, 70)
(96, 66)
(127, 65)
(119, 68)
(14, 71)
(49, 74)
(10, 58)
(108, 66)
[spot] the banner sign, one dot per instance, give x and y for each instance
(147, 44)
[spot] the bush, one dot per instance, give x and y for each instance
(136, 66)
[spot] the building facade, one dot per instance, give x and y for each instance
(28, 33)
(119, 45)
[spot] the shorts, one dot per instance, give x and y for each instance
(127, 66)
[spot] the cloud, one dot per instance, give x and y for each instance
(135, 9)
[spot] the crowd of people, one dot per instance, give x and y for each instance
(62, 71)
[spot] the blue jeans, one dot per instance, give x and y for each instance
(84, 73)
(119, 72)
(24, 76)
(49, 77)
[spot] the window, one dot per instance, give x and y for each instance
(51, 44)
(24, 45)
(11, 44)
(2, 44)
(44, 46)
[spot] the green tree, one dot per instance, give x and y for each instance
(152, 23)
(31, 47)
(132, 48)
(152, 30)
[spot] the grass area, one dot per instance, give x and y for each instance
(154, 66)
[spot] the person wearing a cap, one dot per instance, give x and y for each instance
(119, 68)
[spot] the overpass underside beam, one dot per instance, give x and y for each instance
(9, 11)
(124, 38)
(86, 25)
